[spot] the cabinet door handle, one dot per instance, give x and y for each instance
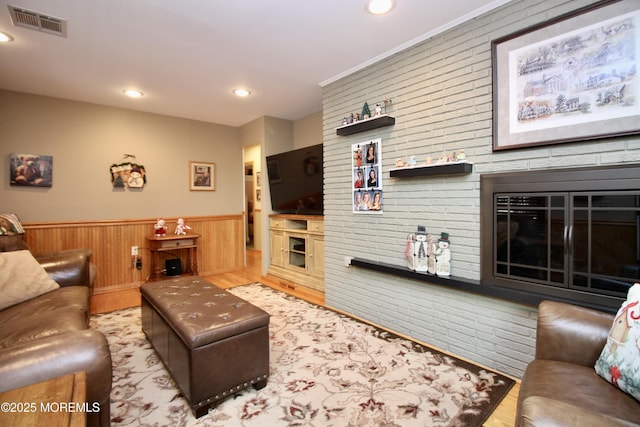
(568, 239)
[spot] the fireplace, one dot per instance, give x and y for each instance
(571, 235)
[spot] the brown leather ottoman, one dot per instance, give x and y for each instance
(211, 341)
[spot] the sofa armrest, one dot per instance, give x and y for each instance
(59, 355)
(570, 333)
(544, 412)
(69, 267)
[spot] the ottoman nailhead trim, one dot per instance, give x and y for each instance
(226, 393)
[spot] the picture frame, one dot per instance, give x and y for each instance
(367, 194)
(30, 170)
(573, 78)
(202, 176)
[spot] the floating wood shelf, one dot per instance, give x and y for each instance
(462, 284)
(457, 168)
(365, 125)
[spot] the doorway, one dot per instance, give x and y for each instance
(250, 205)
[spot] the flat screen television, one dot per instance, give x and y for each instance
(296, 181)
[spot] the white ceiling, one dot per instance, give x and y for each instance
(188, 55)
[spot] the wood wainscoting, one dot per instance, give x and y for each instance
(220, 247)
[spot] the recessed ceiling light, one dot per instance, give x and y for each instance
(241, 92)
(379, 7)
(5, 38)
(133, 93)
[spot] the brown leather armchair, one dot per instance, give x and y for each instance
(561, 387)
(49, 336)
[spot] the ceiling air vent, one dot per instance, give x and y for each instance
(38, 21)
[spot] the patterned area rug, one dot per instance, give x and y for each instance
(327, 369)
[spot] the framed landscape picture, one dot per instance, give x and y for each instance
(202, 176)
(573, 78)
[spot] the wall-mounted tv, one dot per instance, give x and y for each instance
(296, 181)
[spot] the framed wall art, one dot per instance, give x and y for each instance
(128, 175)
(573, 78)
(202, 176)
(366, 178)
(32, 170)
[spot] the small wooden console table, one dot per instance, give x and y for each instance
(170, 243)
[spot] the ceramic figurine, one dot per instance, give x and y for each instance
(408, 252)
(182, 228)
(160, 229)
(377, 110)
(431, 254)
(420, 250)
(366, 113)
(443, 256)
(386, 102)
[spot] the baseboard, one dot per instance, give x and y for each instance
(116, 298)
(296, 289)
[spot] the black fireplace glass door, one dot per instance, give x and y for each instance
(605, 244)
(530, 237)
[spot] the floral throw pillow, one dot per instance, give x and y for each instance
(619, 362)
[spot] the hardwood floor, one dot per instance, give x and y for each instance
(503, 416)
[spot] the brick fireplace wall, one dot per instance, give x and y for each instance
(441, 92)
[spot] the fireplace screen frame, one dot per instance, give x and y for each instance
(563, 183)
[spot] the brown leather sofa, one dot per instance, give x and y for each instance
(49, 336)
(561, 387)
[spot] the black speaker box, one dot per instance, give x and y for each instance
(173, 267)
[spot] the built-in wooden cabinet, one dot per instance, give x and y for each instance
(297, 249)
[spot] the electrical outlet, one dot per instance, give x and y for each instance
(134, 251)
(139, 264)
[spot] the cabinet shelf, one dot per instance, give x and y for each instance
(365, 125)
(457, 168)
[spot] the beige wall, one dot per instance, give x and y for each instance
(273, 136)
(307, 131)
(252, 155)
(85, 139)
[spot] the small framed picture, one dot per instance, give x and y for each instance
(32, 170)
(202, 176)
